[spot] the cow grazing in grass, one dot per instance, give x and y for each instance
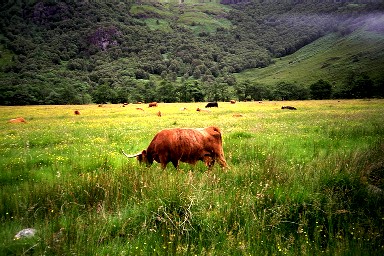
(233, 101)
(152, 104)
(202, 110)
(159, 114)
(17, 120)
(77, 112)
(288, 107)
(212, 104)
(186, 145)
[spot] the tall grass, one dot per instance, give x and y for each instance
(300, 182)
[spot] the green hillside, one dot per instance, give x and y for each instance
(99, 52)
(207, 17)
(332, 58)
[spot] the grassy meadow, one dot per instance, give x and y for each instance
(305, 182)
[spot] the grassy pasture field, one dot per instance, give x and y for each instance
(308, 181)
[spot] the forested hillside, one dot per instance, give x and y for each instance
(82, 52)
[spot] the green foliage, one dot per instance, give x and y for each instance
(332, 58)
(104, 94)
(252, 91)
(191, 91)
(96, 44)
(321, 90)
(290, 91)
(359, 86)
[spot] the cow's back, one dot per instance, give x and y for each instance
(186, 145)
(176, 143)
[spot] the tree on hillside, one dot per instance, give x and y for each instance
(216, 91)
(149, 91)
(241, 89)
(138, 92)
(104, 94)
(379, 87)
(362, 87)
(190, 91)
(166, 92)
(258, 92)
(122, 94)
(290, 91)
(356, 86)
(321, 90)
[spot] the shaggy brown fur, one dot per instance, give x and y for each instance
(152, 104)
(185, 145)
(17, 120)
(202, 110)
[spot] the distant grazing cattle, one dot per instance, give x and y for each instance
(288, 107)
(159, 114)
(212, 104)
(139, 102)
(77, 112)
(100, 105)
(237, 115)
(140, 109)
(152, 104)
(202, 110)
(233, 101)
(183, 109)
(185, 145)
(17, 120)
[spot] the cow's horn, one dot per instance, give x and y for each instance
(130, 156)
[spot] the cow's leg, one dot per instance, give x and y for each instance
(175, 163)
(163, 160)
(163, 165)
(209, 161)
(220, 158)
(222, 161)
